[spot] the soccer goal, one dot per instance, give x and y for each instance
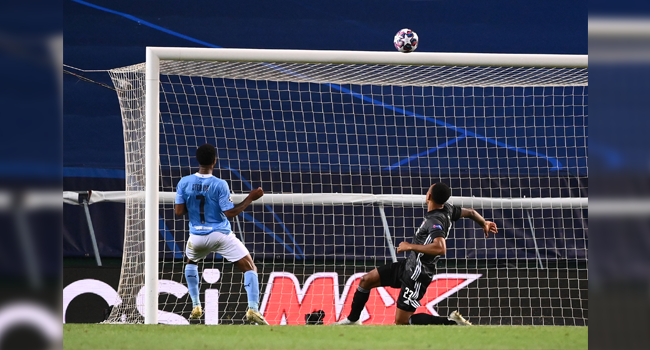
(345, 145)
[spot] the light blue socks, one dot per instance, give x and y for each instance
(251, 284)
(192, 277)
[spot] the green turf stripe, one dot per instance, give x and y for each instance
(160, 337)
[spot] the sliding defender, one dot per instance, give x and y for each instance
(414, 274)
(206, 199)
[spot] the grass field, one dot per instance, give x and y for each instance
(159, 337)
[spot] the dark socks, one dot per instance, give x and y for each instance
(358, 303)
(423, 319)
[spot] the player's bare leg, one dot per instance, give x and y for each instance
(246, 264)
(402, 317)
(251, 284)
(192, 278)
(368, 281)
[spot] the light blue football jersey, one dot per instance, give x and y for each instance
(206, 198)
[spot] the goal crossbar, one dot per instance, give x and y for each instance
(371, 57)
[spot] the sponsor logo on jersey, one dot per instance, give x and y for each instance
(285, 301)
(437, 226)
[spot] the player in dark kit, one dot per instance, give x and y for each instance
(414, 274)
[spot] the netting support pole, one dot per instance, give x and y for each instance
(241, 232)
(26, 242)
(151, 204)
(91, 229)
(389, 239)
(532, 232)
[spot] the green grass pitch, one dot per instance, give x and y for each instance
(196, 337)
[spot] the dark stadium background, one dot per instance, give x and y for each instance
(93, 154)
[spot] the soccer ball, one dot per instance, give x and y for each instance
(406, 40)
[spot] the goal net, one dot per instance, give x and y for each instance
(345, 153)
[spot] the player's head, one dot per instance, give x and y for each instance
(439, 193)
(206, 155)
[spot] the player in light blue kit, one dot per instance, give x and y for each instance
(206, 199)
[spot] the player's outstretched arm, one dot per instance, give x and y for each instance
(488, 226)
(437, 247)
(252, 196)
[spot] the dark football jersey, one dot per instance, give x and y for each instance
(437, 223)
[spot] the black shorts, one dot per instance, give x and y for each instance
(392, 275)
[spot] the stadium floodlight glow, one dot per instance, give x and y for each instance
(341, 70)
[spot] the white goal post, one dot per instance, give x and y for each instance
(154, 55)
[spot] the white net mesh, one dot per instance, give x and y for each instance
(385, 130)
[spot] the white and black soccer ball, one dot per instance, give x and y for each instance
(406, 40)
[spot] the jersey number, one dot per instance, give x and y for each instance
(202, 206)
(409, 294)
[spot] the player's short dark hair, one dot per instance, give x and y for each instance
(440, 192)
(206, 154)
